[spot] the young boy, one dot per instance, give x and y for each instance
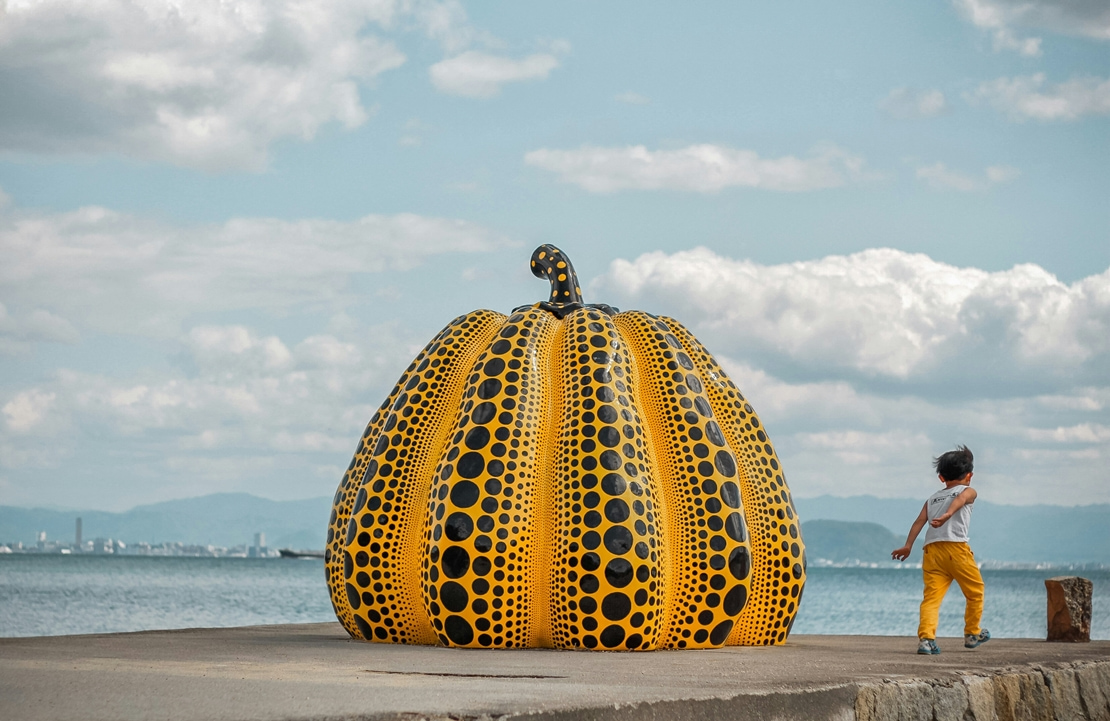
(947, 554)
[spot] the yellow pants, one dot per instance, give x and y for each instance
(944, 562)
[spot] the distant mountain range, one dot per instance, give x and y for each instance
(837, 529)
(1028, 534)
(220, 519)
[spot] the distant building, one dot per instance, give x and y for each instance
(103, 545)
(77, 540)
(258, 550)
(42, 540)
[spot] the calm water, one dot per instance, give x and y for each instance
(54, 595)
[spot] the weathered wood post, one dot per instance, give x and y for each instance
(1069, 608)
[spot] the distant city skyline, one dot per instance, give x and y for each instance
(227, 227)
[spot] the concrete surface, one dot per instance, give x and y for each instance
(314, 671)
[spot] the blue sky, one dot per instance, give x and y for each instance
(227, 227)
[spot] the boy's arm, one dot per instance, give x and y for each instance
(958, 502)
(904, 552)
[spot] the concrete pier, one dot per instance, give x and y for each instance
(315, 672)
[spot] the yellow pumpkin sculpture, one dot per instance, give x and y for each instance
(568, 477)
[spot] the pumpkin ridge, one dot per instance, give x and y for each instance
(479, 544)
(770, 511)
(551, 375)
(344, 499)
(606, 585)
(380, 534)
(712, 560)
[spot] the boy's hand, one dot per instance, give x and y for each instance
(940, 520)
(901, 554)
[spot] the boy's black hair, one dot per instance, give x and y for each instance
(954, 465)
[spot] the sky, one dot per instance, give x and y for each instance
(226, 226)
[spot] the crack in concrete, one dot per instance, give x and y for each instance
(458, 675)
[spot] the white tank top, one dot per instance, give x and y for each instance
(956, 527)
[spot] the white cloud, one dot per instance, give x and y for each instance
(121, 273)
(838, 437)
(1022, 97)
(218, 420)
(1088, 18)
(631, 98)
(27, 410)
(938, 176)
(203, 84)
(696, 168)
(908, 103)
(882, 313)
(475, 74)
(18, 335)
(1081, 433)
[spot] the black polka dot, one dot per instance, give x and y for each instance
(494, 367)
(352, 597)
(484, 412)
(609, 436)
(616, 510)
(730, 494)
(740, 563)
(591, 540)
(458, 630)
(607, 414)
(616, 606)
(713, 433)
(612, 636)
(735, 528)
(725, 464)
(489, 388)
(591, 562)
(589, 583)
(613, 484)
(618, 573)
(363, 627)
(618, 540)
(464, 494)
(720, 633)
(456, 561)
(477, 438)
(735, 600)
(471, 465)
(605, 394)
(453, 596)
(587, 604)
(458, 527)
(611, 460)
(481, 565)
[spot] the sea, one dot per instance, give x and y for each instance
(53, 595)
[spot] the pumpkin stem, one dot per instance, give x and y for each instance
(549, 262)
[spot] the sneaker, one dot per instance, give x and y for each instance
(977, 639)
(928, 647)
